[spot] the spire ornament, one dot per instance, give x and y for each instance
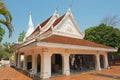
(30, 26)
(70, 6)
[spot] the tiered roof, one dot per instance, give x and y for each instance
(50, 24)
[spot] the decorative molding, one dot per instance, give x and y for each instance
(66, 34)
(28, 42)
(49, 24)
(44, 49)
(66, 46)
(66, 51)
(68, 20)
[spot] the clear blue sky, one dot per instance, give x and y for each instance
(87, 13)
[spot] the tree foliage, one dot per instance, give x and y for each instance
(7, 18)
(2, 32)
(1, 52)
(7, 46)
(103, 34)
(21, 36)
(5, 52)
(106, 35)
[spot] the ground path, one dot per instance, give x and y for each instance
(8, 73)
(109, 74)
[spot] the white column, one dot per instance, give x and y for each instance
(98, 62)
(18, 63)
(45, 65)
(25, 62)
(66, 65)
(105, 61)
(34, 63)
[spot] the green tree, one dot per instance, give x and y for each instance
(7, 18)
(7, 52)
(106, 35)
(1, 52)
(103, 34)
(21, 36)
(2, 32)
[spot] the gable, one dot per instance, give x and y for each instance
(44, 26)
(49, 23)
(67, 26)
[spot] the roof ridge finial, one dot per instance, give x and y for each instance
(56, 10)
(30, 20)
(30, 26)
(70, 6)
(30, 13)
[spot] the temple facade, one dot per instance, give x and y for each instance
(56, 47)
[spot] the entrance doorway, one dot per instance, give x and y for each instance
(81, 63)
(101, 61)
(38, 63)
(29, 62)
(56, 64)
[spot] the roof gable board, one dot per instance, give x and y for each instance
(49, 23)
(68, 26)
(45, 25)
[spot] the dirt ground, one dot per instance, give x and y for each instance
(8, 73)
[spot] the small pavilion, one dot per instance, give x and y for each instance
(57, 47)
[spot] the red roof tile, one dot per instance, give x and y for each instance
(45, 22)
(72, 41)
(37, 30)
(58, 20)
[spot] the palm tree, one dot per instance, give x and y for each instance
(8, 18)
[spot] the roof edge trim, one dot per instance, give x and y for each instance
(75, 46)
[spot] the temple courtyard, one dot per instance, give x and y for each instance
(8, 73)
(109, 74)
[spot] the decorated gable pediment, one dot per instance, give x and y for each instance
(67, 26)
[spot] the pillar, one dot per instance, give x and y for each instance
(15, 63)
(105, 61)
(45, 65)
(66, 65)
(25, 62)
(18, 63)
(98, 62)
(34, 63)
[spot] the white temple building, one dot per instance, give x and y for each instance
(56, 47)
